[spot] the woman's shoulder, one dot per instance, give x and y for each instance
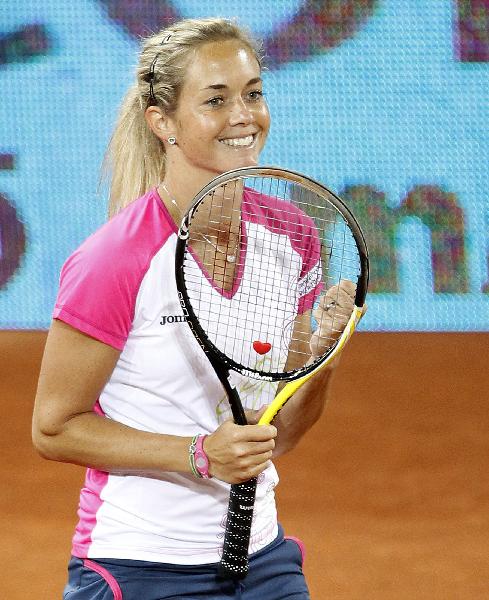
(100, 281)
(133, 235)
(277, 214)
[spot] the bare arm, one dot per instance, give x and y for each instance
(74, 370)
(305, 407)
(307, 404)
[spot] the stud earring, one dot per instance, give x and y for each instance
(172, 140)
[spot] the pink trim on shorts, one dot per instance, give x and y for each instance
(109, 578)
(300, 543)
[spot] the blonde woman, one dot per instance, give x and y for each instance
(124, 388)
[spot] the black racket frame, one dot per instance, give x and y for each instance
(234, 561)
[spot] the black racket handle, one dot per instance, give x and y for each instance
(234, 560)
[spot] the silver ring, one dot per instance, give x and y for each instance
(330, 304)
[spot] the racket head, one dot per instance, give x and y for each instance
(257, 253)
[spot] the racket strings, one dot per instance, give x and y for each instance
(290, 246)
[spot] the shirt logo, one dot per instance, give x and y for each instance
(311, 280)
(166, 319)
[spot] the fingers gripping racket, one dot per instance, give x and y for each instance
(272, 272)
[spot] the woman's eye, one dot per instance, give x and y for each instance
(256, 95)
(216, 101)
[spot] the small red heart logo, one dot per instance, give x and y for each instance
(261, 347)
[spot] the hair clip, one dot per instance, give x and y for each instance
(151, 75)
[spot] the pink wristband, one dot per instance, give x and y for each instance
(200, 458)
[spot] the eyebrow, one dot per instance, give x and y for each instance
(222, 86)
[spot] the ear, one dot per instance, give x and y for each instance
(159, 123)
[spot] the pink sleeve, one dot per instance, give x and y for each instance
(96, 298)
(305, 240)
(100, 281)
(282, 217)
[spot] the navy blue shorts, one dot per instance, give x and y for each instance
(275, 574)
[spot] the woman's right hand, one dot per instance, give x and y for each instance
(238, 453)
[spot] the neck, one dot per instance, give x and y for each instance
(184, 183)
(178, 193)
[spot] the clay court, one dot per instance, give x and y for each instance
(389, 491)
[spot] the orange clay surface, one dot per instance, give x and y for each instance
(389, 491)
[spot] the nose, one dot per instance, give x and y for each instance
(240, 114)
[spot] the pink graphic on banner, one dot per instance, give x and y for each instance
(318, 25)
(12, 232)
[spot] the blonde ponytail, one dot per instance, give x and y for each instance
(135, 158)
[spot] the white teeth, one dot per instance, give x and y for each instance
(244, 141)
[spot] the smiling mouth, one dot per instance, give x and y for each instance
(239, 142)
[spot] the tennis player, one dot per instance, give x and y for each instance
(125, 389)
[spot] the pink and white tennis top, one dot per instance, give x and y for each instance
(119, 287)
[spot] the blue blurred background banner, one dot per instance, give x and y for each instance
(385, 102)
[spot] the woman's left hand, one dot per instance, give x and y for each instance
(332, 314)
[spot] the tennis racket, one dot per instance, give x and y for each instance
(262, 256)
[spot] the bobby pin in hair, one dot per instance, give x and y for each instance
(151, 75)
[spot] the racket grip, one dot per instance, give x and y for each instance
(234, 560)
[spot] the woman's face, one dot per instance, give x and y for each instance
(222, 119)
